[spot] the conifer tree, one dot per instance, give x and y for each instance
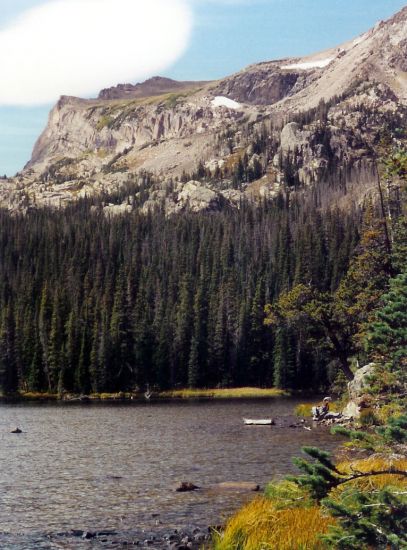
(183, 330)
(376, 519)
(387, 336)
(197, 357)
(94, 365)
(35, 375)
(283, 359)
(365, 518)
(55, 354)
(121, 338)
(143, 342)
(44, 327)
(71, 352)
(8, 371)
(82, 371)
(258, 351)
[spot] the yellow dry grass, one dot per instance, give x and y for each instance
(224, 393)
(288, 520)
(373, 464)
(32, 395)
(259, 526)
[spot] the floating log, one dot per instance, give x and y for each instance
(258, 422)
(238, 486)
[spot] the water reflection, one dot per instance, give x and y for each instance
(114, 467)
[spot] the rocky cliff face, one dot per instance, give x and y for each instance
(264, 84)
(313, 116)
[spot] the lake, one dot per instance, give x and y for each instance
(113, 466)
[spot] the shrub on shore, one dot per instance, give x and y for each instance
(34, 396)
(224, 393)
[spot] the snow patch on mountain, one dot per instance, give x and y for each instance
(221, 101)
(318, 64)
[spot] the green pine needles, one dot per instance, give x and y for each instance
(367, 498)
(376, 519)
(387, 338)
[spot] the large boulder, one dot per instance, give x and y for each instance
(358, 399)
(292, 138)
(185, 486)
(357, 387)
(197, 197)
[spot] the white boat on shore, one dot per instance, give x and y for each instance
(258, 421)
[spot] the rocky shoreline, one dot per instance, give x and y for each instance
(187, 538)
(175, 539)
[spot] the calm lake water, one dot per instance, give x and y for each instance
(98, 467)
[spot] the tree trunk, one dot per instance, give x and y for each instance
(346, 368)
(340, 352)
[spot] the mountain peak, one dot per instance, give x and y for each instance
(157, 85)
(90, 146)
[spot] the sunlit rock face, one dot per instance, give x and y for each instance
(169, 129)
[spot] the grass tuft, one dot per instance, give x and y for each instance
(260, 526)
(104, 121)
(368, 417)
(387, 411)
(34, 396)
(287, 494)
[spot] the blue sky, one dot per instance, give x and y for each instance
(226, 35)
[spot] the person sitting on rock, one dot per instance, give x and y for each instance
(318, 413)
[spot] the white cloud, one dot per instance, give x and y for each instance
(76, 47)
(230, 2)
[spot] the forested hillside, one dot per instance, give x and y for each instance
(265, 269)
(91, 303)
(279, 292)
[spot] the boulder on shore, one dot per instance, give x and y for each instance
(16, 431)
(361, 381)
(357, 391)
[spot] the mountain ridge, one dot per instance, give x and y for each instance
(156, 85)
(170, 128)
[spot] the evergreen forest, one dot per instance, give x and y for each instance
(92, 303)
